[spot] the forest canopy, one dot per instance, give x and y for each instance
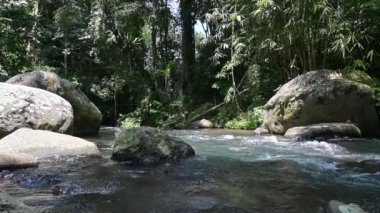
(143, 62)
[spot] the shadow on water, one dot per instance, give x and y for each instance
(233, 172)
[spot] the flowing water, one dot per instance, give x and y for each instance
(233, 171)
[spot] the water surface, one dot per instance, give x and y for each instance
(233, 171)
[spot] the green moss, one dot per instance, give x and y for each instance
(358, 76)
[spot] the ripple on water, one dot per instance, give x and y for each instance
(231, 173)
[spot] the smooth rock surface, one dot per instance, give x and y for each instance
(17, 161)
(339, 207)
(87, 117)
(147, 146)
(322, 96)
(12, 205)
(260, 131)
(22, 106)
(323, 131)
(202, 124)
(44, 144)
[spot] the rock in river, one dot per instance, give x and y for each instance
(260, 131)
(202, 124)
(12, 205)
(22, 106)
(87, 117)
(322, 96)
(147, 146)
(335, 206)
(17, 161)
(44, 144)
(323, 131)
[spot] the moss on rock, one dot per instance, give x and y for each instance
(147, 146)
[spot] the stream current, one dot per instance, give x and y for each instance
(233, 171)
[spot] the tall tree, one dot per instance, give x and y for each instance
(188, 43)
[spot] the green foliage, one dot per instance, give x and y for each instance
(126, 121)
(358, 76)
(127, 55)
(224, 115)
(248, 120)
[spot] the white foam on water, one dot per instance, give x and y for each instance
(265, 156)
(318, 163)
(228, 137)
(237, 149)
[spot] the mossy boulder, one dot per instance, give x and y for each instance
(149, 146)
(87, 117)
(322, 96)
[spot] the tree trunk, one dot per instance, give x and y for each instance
(154, 34)
(65, 54)
(188, 44)
(115, 107)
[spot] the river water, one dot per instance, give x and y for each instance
(233, 171)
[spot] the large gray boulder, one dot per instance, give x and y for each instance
(322, 96)
(323, 131)
(148, 146)
(44, 144)
(87, 117)
(17, 161)
(22, 106)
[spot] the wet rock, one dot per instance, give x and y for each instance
(321, 96)
(202, 124)
(260, 131)
(39, 181)
(22, 106)
(367, 166)
(44, 144)
(339, 207)
(87, 117)
(10, 204)
(323, 131)
(67, 189)
(17, 161)
(147, 146)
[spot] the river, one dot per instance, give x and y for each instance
(233, 171)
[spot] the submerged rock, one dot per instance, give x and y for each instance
(321, 96)
(146, 145)
(17, 161)
(44, 144)
(367, 166)
(22, 106)
(339, 207)
(87, 117)
(12, 205)
(323, 131)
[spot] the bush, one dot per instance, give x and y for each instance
(248, 120)
(129, 122)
